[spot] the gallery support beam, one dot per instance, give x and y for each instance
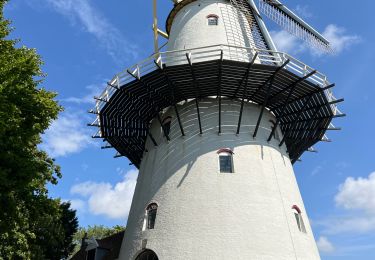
(162, 127)
(317, 91)
(301, 134)
(291, 89)
(197, 91)
(317, 118)
(269, 82)
(314, 128)
(244, 93)
(293, 85)
(172, 87)
(305, 109)
(286, 134)
(246, 74)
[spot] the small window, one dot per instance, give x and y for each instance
(167, 125)
(225, 160)
(151, 215)
(213, 19)
(299, 219)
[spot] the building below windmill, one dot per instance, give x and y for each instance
(107, 248)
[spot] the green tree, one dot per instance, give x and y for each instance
(70, 226)
(28, 216)
(54, 237)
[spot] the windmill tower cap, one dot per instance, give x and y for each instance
(280, 14)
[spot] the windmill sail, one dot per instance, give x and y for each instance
(244, 7)
(291, 23)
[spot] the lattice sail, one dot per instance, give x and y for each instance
(244, 7)
(292, 24)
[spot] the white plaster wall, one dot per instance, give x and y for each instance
(205, 214)
(191, 30)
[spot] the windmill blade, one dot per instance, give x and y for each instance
(293, 24)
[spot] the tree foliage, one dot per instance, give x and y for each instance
(30, 221)
(54, 237)
(97, 232)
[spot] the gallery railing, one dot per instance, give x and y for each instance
(214, 52)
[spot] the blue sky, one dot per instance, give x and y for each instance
(84, 43)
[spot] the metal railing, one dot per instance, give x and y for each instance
(214, 52)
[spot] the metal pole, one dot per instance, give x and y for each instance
(155, 28)
(197, 91)
(171, 89)
(245, 91)
(162, 127)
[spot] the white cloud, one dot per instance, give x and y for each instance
(357, 198)
(84, 166)
(77, 204)
(324, 245)
(349, 250)
(303, 10)
(316, 170)
(348, 224)
(286, 42)
(96, 24)
(68, 134)
(342, 165)
(337, 37)
(94, 90)
(357, 194)
(113, 201)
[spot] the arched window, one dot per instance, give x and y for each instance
(225, 160)
(212, 19)
(147, 255)
(151, 215)
(167, 124)
(299, 219)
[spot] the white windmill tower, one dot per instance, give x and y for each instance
(214, 125)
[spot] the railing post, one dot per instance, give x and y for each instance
(158, 60)
(106, 93)
(138, 72)
(97, 107)
(118, 81)
(190, 58)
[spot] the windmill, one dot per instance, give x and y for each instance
(214, 124)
